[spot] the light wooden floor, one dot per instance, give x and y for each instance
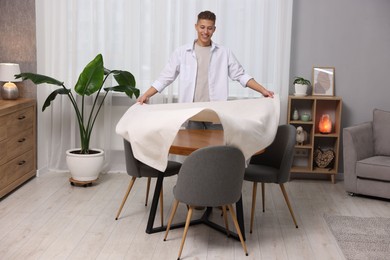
(49, 219)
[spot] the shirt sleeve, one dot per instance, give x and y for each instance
(169, 73)
(236, 71)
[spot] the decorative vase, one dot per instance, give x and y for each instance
(295, 115)
(84, 167)
(305, 117)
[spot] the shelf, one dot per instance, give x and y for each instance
(326, 135)
(305, 146)
(300, 122)
(300, 169)
(324, 170)
(315, 106)
(303, 169)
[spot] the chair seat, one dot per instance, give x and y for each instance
(172, 169)
(261, 173)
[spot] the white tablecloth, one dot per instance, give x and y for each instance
(248, 124)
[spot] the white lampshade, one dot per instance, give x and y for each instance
(8, 72)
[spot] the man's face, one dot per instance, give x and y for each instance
(205, 30)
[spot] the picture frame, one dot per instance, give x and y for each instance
(323, 81)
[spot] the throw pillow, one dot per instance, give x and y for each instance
(381, 131)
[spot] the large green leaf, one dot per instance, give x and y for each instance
(124, 77)
(53, 95)
(129, 90)
(91, 78)
(126, 83)
(39, 79)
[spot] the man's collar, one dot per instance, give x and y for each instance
(190, 46)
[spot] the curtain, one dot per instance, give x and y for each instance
(139, 36)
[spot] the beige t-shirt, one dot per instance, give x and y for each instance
(202, 74)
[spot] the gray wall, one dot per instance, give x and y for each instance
(354, 37)
(18, 44)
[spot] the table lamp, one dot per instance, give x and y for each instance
(325, 124)
(7, 74)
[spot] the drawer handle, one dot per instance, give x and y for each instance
(21, 162)
(21, 140)
(21, 117)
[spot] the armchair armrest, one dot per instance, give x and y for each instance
(358, 144)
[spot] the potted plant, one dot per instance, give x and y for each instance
(90, 81)
(301, 85)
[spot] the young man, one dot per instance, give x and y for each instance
(204, 68)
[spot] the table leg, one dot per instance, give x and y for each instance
(240, 219)
(153, 207)
(203, 220)
(153, 210)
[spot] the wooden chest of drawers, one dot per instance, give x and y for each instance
(17, 143)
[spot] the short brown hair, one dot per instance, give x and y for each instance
(207, 15)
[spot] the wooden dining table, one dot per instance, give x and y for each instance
(190, 140)
(186, 142)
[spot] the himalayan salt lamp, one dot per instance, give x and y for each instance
(325, 124)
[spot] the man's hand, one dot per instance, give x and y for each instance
(145, 97)
(259, 88)
(268, 93)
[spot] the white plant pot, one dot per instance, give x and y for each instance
(85, 167)
(300, 89)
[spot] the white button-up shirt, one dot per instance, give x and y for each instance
(223, 64)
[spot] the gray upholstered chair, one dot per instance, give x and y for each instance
(273, 166)
(210, 177)
(136, 169)
(366, 149)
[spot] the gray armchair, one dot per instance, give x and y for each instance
(367, 156)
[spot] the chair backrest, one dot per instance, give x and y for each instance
(211, 176)
(280, 153)
(132, 164)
